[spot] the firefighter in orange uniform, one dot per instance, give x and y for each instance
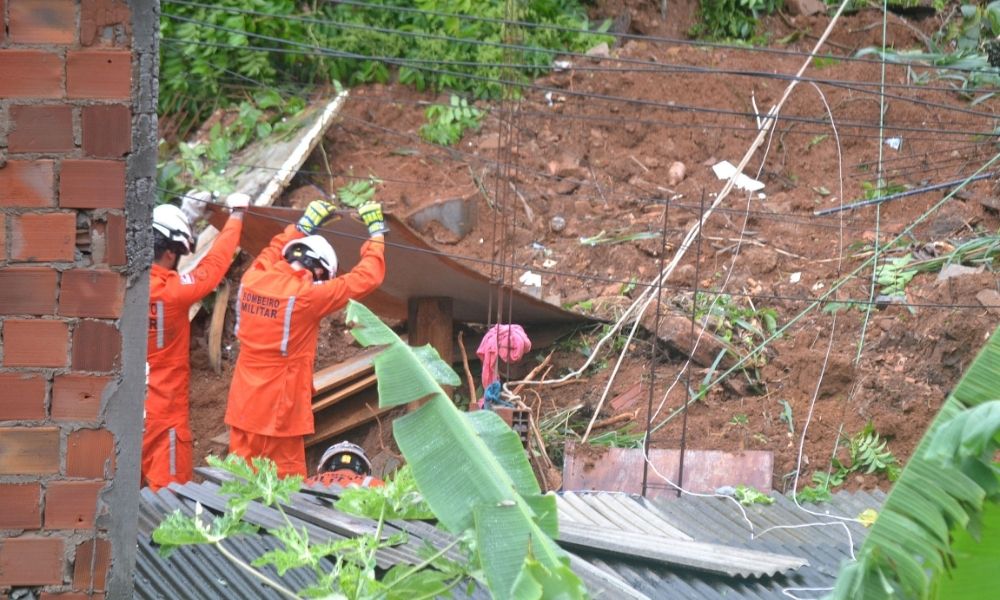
(283, 296)
(166, 440)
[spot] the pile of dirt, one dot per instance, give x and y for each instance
(586, 163)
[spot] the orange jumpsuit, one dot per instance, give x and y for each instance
(280, 308)
(166, 440)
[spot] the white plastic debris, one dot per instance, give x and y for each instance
(548, 263)
(725, 170)
(561, 65)
(894, 142)
(796, 277)
(531, 279)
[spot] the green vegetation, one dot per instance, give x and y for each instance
(204, 165)
(211, 51)
(938, 533)
(748, 495)
(728, 19)
(741, 326)
(866, 453)
(447, 123)
(343, 568)
(496, 500)
(358, 192)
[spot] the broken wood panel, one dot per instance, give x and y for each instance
(620, 470)
(215, 328)
(274, 160)
(345, 415)
(414, 269)
(323, 402)
(342, 372)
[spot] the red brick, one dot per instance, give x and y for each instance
(34, 343)
(3, 217)
(40, 129)
(91, 293)
(72, 596)
(115, 241)
(88, 451)
(105, 22)
(107, 130)
(71, 504)
(27, 183)
(77, 397)
(27, 291)
(42, 21)
(29, 451)
(21, 397)
(20, 502)
(30, 74)
(97, 346)
(92, 184)
(105, 74)
(31, 561)
(42, 237)
(90, 568)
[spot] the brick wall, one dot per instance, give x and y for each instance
(77, 158)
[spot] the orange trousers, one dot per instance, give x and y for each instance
(167, 455)
(288, 453)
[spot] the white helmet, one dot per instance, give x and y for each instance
(345, 455)
(312, 251)
(173, 225)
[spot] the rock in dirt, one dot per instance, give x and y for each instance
(557, 224)
(677, 333)
(950, 271)
(566, 186)
(991, 300)
(676, 173)
(599, 51)
(804, 8)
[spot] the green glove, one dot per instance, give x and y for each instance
(316, 214)
(371, 215)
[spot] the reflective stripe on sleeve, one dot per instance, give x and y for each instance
(159, 323)
(239, 295)
(286, 329)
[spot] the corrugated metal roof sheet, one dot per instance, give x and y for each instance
(781, 528)
(202, 572)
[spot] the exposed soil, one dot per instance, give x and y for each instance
(601, 165)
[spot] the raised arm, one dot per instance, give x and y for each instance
(205, 277)
(360, 281)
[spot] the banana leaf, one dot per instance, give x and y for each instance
(470, 467)
(938, 534)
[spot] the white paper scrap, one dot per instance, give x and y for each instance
(796, 277)
(531, 279)
(725, 170)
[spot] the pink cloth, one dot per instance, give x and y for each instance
(507, 342)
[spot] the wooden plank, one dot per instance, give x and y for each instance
(276, 159)
(347, 414)
(216, 326)
(620, 470)
(340, 394)
(337, 374)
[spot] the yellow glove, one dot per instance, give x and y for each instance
(371, 216)
(316, 214)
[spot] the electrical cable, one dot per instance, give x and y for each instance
(590, 95)
(617, 281)
(627, 36)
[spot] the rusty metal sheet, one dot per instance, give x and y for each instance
(414, 269)
(620, 470)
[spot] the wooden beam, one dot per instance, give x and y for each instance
(340, 394)
(429, 321)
